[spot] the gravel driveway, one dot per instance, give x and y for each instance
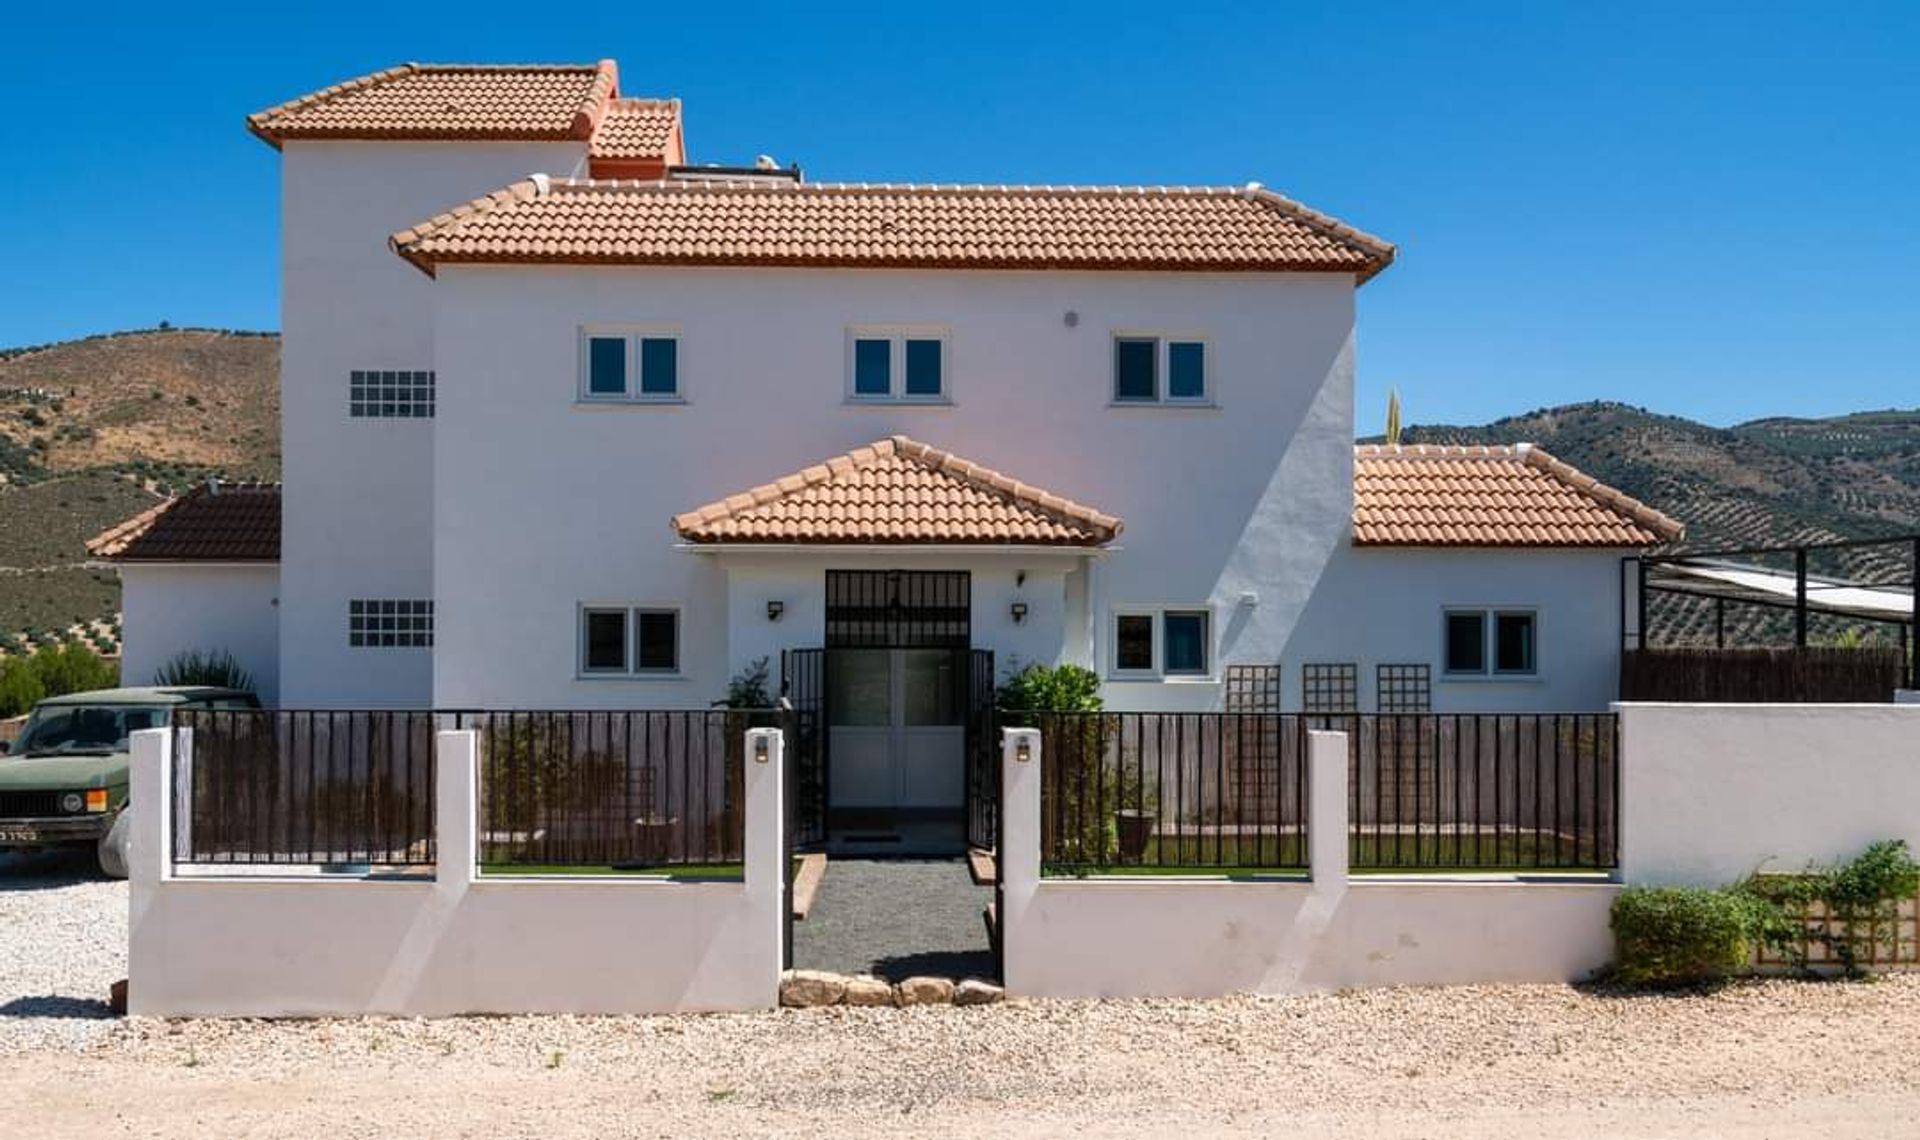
(1773, 1058)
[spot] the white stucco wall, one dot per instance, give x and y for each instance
(262, 947)
(359, 496)
(1712, 793)
(526, 530)
(168, 609)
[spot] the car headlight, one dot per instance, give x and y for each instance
(73, 803)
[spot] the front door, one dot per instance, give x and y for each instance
(897, 725)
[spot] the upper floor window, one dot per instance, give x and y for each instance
(390, 395)
(631, 364)
(1169, 642)
(897, 365)
(1150, 369)
(1502, 639)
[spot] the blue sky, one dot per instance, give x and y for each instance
(1707, 209)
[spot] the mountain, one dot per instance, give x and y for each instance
(95, 430)
(1768, 482)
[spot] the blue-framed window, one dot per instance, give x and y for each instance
(898, 366)
(630, 365)
(1159, 370)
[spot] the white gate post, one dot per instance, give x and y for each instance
(456, 810)
(149, 863)
(765, 851)
(1018, 858)
(1327, 853)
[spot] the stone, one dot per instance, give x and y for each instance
(865, 989)
(973, 991)
(117, 998)
(804, 989)
(924, 991)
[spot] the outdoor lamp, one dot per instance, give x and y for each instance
(760, 750)
(1019, 612)
(775, 608)
(1022, 750)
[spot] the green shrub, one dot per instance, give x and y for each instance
(1666, 936)
(1048, 688)
(20, 687)
(192, 667)
(73, 668)
(1862, 898)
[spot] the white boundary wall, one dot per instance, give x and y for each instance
(267, 947)
(1711, 793)
(1127, 937)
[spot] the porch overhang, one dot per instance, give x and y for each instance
(898, 495)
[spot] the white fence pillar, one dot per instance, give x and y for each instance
(765, 851)
(1327, 852)
(149, 858)
(1019, 852)
(457, 810)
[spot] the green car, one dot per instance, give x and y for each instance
(63, 780)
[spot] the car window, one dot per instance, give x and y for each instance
(80, 729)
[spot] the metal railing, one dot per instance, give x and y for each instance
(1172, 790)
(1505, 791)
(613, 790)
(321, 788)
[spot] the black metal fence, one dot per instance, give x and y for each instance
(305, 787)
(1171, 790)
(1508, 791)
(613, 790)
(1145, 791)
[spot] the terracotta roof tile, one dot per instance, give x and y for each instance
(637, 128)
(1427, 495)
(759, 222)
(528, 102)
(229, 522)
(897, 491)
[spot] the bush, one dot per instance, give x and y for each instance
(1667, 936)
(1861, 897)
(1048, 688)
(20, 687)
(192, 667)
(73, 669)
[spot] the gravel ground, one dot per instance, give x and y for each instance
(895, 918)
(63, 942)
(1774, 1058)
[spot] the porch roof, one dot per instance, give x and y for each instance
(214, 522)
(898, 491)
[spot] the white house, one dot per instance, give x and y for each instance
(571, 424)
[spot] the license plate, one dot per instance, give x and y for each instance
(19, 835)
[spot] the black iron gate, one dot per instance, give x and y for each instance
(983, 753)
(803, 693)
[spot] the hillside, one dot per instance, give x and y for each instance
(1768, 482)
(95, 430)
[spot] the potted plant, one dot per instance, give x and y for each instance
(1136, 813)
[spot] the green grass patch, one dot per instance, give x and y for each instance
(677, 872)
(1269, 855)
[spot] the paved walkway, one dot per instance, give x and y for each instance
(896, 918)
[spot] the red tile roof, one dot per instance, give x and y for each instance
(509, 102)
(1428, 495)
(761, 222)
(898, 491)
(638, 128)
(228, 522)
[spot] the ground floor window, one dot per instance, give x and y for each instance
(1163, 642)
(390, 623)
(629, 640)
(1500, 641)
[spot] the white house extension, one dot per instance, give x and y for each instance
(571, 424)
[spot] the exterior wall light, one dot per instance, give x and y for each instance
(1019, 612)
(775, 608)
(760, 750)
(1022, 750)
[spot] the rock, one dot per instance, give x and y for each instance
(804, 989)
(924, 991)
(973, 991)
(865, 989)
(117, 998)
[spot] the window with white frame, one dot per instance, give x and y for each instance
(632, 364)
(1492, 642)
(628, 641)
(1152, 369)
(390, 623)
(898, 365)
(1168, 641)
(404, 395)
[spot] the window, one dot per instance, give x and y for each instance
(390, 395)
(1163, 642)
(1505, 639)
(1330, 688)
(632, 365)
(390, 623)
(1404, 689)
(624, 641)
(1159, 370)
(895, 365)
